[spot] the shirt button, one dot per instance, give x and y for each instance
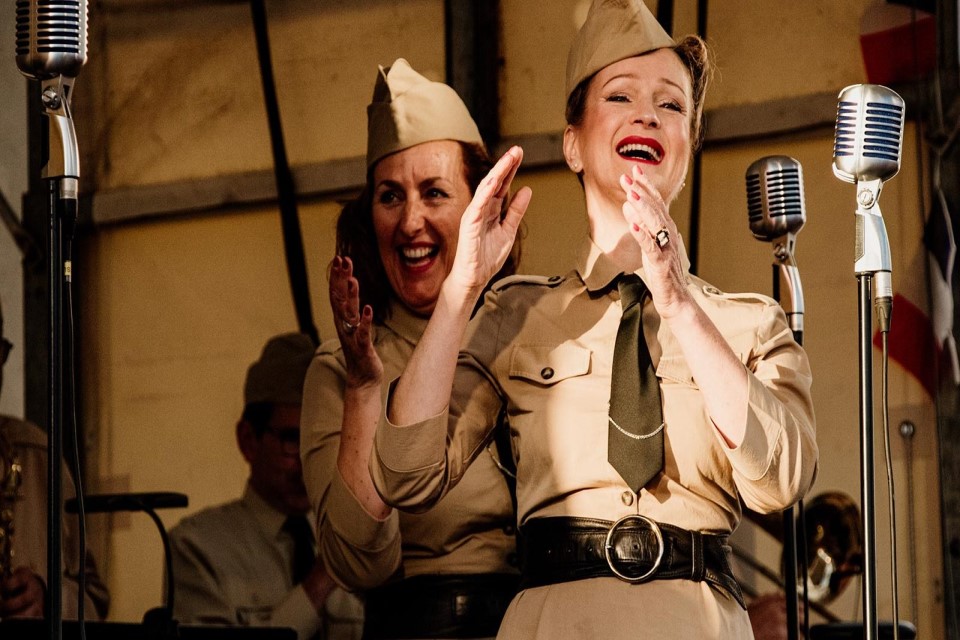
(627, 498)
(546, 373)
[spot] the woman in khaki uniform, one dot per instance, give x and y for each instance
(607, 551)
(449, 573)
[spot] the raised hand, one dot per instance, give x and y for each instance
(485, 238)
(354, 328)
(656, 233)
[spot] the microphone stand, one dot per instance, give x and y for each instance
(63, 171)
(785, 273)
(873, 263)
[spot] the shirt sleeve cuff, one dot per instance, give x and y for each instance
(410, 447)
(765, 419)
(352, 522)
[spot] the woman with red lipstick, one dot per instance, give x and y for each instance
(449, 573)
(644, 404)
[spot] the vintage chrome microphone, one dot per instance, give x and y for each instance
(867, 149)
(776, 212)
(866, 152)
(51, 47)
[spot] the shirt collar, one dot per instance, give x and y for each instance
(269, 519)
(598, 271)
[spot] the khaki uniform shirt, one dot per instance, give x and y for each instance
(545, 347)
(470, 531)
(231, 566)
(29, 444)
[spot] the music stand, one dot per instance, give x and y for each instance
(159, 619)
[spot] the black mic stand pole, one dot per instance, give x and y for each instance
(865, 316)
(865, 313)
(872, 264)
(785, 271)
(63, 171)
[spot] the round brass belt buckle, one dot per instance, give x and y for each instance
(608, 547)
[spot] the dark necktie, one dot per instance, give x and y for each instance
(303, 554)
(635, 429)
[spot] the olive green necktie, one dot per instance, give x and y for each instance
(303, 555)
(635, 429)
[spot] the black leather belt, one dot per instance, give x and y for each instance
(634, 549)
(439, 606)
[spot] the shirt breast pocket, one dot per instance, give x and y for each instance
(549, 379)
(548, 364)
(254, 615)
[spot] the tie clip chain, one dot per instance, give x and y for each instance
(635, 436)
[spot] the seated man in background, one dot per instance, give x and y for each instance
(23, 526)
(251, 562)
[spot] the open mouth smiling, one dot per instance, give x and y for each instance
(419, 254)
(644, 150)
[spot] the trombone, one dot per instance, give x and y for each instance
(834, 549)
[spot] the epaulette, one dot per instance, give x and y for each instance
(541, 281)
(711, 291)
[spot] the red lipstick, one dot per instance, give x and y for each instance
(640, 149)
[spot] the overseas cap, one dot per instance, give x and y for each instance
(408, 109)
(278, 375)
(614, 30)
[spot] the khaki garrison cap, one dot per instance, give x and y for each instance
(614, 30)
(278, 375)
(408, 109)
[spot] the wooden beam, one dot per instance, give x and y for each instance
(334, 177)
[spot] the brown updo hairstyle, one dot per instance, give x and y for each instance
(357, 239)
(695, 56)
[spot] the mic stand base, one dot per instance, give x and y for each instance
(855, 631)
(158, 624)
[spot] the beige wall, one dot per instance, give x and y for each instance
(174, 310)
(175, 94)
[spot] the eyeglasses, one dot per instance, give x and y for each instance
(5, 348)
(289, 438)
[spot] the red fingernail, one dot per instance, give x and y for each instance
(628, 179)
(636, 227)
(634, 195)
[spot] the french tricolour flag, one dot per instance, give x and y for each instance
(923, 343)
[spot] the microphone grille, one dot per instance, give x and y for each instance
(869, 133)
(51, 37)
(775, 203)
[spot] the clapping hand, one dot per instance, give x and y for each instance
(354, 328)
(486, 236)
(656, 233)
